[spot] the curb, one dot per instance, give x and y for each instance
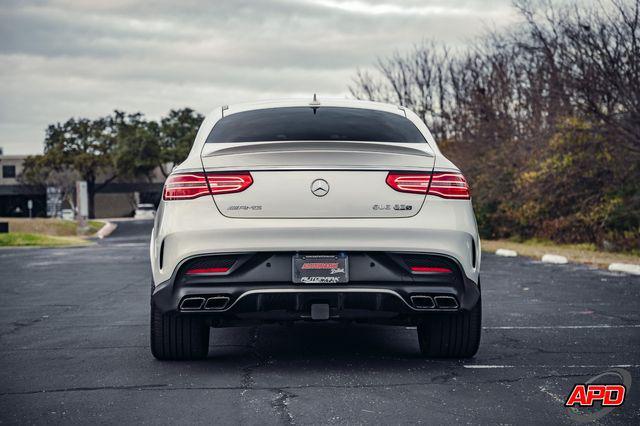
(628, 268)
(506, 253)
(554, 258)
(106, 230)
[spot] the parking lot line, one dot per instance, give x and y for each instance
(490, 366)
(551, 327)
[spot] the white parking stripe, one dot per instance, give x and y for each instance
(559, 327)
(489, 366)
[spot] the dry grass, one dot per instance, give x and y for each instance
(579, 253)
(52, 227)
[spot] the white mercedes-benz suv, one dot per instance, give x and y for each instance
(335, 210)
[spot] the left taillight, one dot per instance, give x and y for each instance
(441, 184)
(188, 186)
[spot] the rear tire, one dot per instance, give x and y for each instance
(178, 337)
(451, 335)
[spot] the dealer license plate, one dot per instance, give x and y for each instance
(320, 269)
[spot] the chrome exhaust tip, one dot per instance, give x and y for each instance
(423, 302)
(216, 302)
(446, 302)
(191, 303)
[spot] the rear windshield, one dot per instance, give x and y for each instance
(315, 124)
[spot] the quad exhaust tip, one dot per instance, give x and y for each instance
(423, 302)
(216, 302)
(209, 304)
(446, 302)
(436, 302)
(192, 303)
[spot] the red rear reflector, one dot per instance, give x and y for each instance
(193, 185)
(196, 271)
(434, 269)
(441, 184)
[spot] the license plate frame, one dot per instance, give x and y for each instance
(320, 269)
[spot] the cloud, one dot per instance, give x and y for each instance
(379, 8)
(64, 58)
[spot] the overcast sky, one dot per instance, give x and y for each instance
(70, 58)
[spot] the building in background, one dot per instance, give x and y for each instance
(116, 199)
(10, 168)
(14, 197)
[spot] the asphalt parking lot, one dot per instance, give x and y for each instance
(74, 348)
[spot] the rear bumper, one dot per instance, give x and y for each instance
(258, 290)
(187, 229)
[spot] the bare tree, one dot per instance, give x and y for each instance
(416, 80)
(537, 117)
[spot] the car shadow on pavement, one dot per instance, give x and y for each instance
(309, 342)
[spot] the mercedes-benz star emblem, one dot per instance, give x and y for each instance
(319, 187)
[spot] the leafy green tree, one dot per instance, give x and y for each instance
(177, 133)
(137, 150)
(98, 151)
(120, 146)
(86, 146)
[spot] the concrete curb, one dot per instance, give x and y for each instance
(628, 268)
(506, 253)
(106, 230)
(554, 258)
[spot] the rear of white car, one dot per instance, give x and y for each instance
(296, 211)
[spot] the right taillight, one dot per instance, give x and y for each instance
(440, 184)
(188, 186)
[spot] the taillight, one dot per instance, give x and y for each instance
(409, 182)
(185, 186)
(193, 185)
(227, 183)
(449, 185)
(441, 184)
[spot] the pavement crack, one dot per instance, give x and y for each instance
(282, 389)
(614, 316)
(553, 396)
(443, 378)
(88, 388)
(248, 381)
(117, 290)
(19, 325)
(520, 379)
(281, 405)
